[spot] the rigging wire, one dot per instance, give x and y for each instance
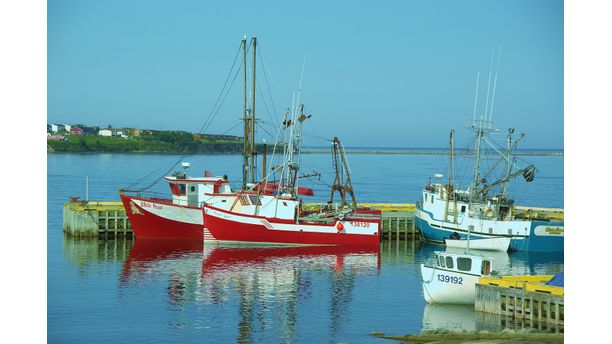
(204, 127)
(276, 121)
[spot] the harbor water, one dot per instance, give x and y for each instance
(131, 291)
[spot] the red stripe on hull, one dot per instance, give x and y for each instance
(148, 225)
(227, 230)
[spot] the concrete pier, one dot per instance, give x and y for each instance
(96, 220)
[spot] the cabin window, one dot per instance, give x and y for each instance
(425, 197)
(509, 231)
(192, 188)
(441, 261)
(464, 264)
(432, 197)
(463, 209)
(486, 267)
(182, 190)
(255, 200)
(449, 262)
(244, 200)
(490, 230)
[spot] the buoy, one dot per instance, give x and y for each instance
(340, 227)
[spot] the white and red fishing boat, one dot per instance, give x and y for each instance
(181, 215)
(272, 213)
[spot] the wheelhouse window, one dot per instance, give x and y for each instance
(441, 262)
(192, 188)
(244, 200)
(464, 264)
(486, 267)
(432, 198)
(425, 197)
(463, 209)
(449, 262)
(182, 189)
(255, 200)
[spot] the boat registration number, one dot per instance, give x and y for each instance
(450, 279)
(360, 224)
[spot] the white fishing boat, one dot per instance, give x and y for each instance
(485, 204)
(452, 278)
(482, 244)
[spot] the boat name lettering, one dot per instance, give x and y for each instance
(150, 205)
(554, 230)
(450, 279)
(360, 224)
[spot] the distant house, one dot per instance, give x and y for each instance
(76, 131)
(134, 132)
(56, 137)
(196, 137)
(53, 127)
(105, 132)
(67, 127)
(90, 130)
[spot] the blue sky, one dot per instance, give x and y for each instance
(383, 74)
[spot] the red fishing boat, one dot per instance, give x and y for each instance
(181, 215)
(272, 213)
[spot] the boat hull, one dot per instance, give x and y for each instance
(536, 236)
(483, 244)
(451, 287)
(160, 219)
(227, 227)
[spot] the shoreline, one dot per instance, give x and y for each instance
(363, 151)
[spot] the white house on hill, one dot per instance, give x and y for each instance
(105, 132)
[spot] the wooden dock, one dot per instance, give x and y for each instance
(109, 220)
(523, 299)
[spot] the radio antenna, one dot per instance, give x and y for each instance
(494, 85)
(476, 97)
(489, 84)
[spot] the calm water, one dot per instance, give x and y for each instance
(140, 292)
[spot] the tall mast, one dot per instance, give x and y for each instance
(252, 122)
(504, 192)
(474, 190)
(450, 192)
(245, 150)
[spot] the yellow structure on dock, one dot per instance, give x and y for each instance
(96, 219)
(523, 298)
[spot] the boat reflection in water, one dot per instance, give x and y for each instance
(265, 283)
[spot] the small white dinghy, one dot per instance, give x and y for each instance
(484, 244)
(453, 277)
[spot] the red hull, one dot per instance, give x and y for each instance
(148, 225)
(232, 231)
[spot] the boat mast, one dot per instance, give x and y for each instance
(450, 192)
(253, 152)
(504, 192)
(245, 149)
(474, 188)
